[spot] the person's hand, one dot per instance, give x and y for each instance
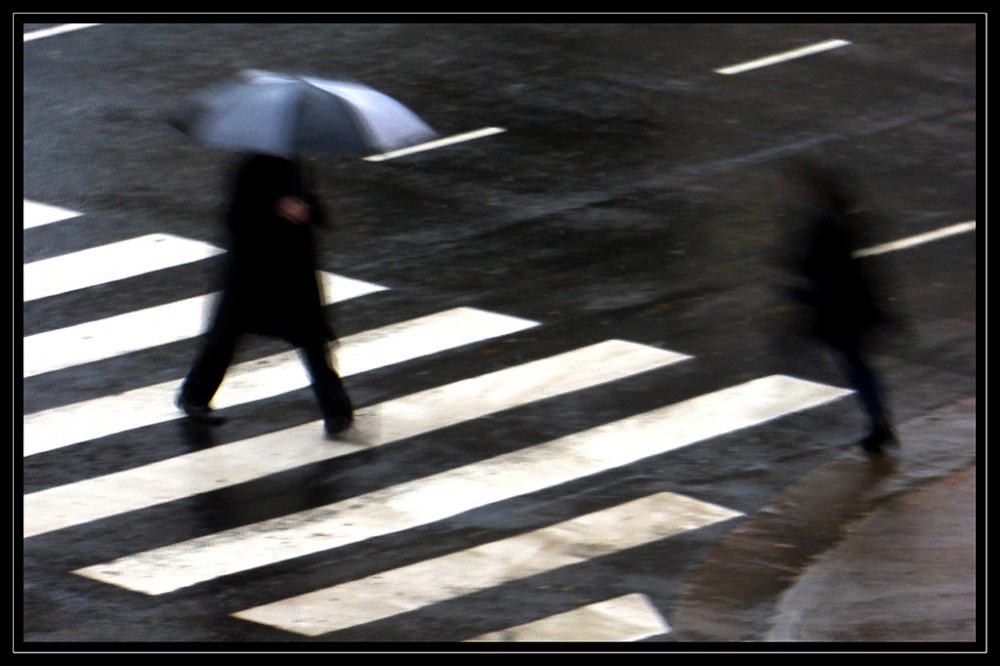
(293, 209)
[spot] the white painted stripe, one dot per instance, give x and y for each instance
(36, 214)
(412, 587)
(437, 143)
(416, 414)
(115, 336)
(107, 263)
(265, 378)
(783, 57)
(919, 239)
(450, 493)
(58, 30)
(143, 329)
(627, 618)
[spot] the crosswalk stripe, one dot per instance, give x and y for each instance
(107, 263)
(264, 378)
(412, 587)
(409, 416)
(452, 492)
(631, 617)
(36, 214)
(143, 329)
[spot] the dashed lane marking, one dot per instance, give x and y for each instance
(437, 143)
(58, 30)
(919, 239)
(783, 57)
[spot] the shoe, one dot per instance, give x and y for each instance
(880, 437)
(199, 413)
(338, 424)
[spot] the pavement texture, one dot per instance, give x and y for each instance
(866, 549)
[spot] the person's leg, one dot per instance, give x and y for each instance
(338, 411)
(865, 382)
(206, 375)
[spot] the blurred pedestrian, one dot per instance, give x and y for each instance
(843, 301)
(270, 287)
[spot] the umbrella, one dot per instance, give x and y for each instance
(288, 115)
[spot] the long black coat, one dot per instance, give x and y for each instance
(270, 284)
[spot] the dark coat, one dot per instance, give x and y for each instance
(832, 281)
(270, 283)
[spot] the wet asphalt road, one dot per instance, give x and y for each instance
(632, 196)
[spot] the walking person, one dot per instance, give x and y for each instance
(829, 281)
(270, 288)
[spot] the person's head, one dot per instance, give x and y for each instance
(817, 184)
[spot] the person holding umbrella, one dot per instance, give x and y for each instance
(269, 287)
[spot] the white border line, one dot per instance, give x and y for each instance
(919, 239)
(437, 143)
(782, 57)
(58, 30)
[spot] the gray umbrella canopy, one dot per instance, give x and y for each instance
(286, 115)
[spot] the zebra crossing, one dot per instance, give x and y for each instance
(394, 509)
(592, 535)
(105, 338)
(264, 378)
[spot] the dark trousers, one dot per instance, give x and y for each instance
(862, 378)
(210, 368)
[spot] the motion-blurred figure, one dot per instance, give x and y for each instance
(844, 306)
(269, 287)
